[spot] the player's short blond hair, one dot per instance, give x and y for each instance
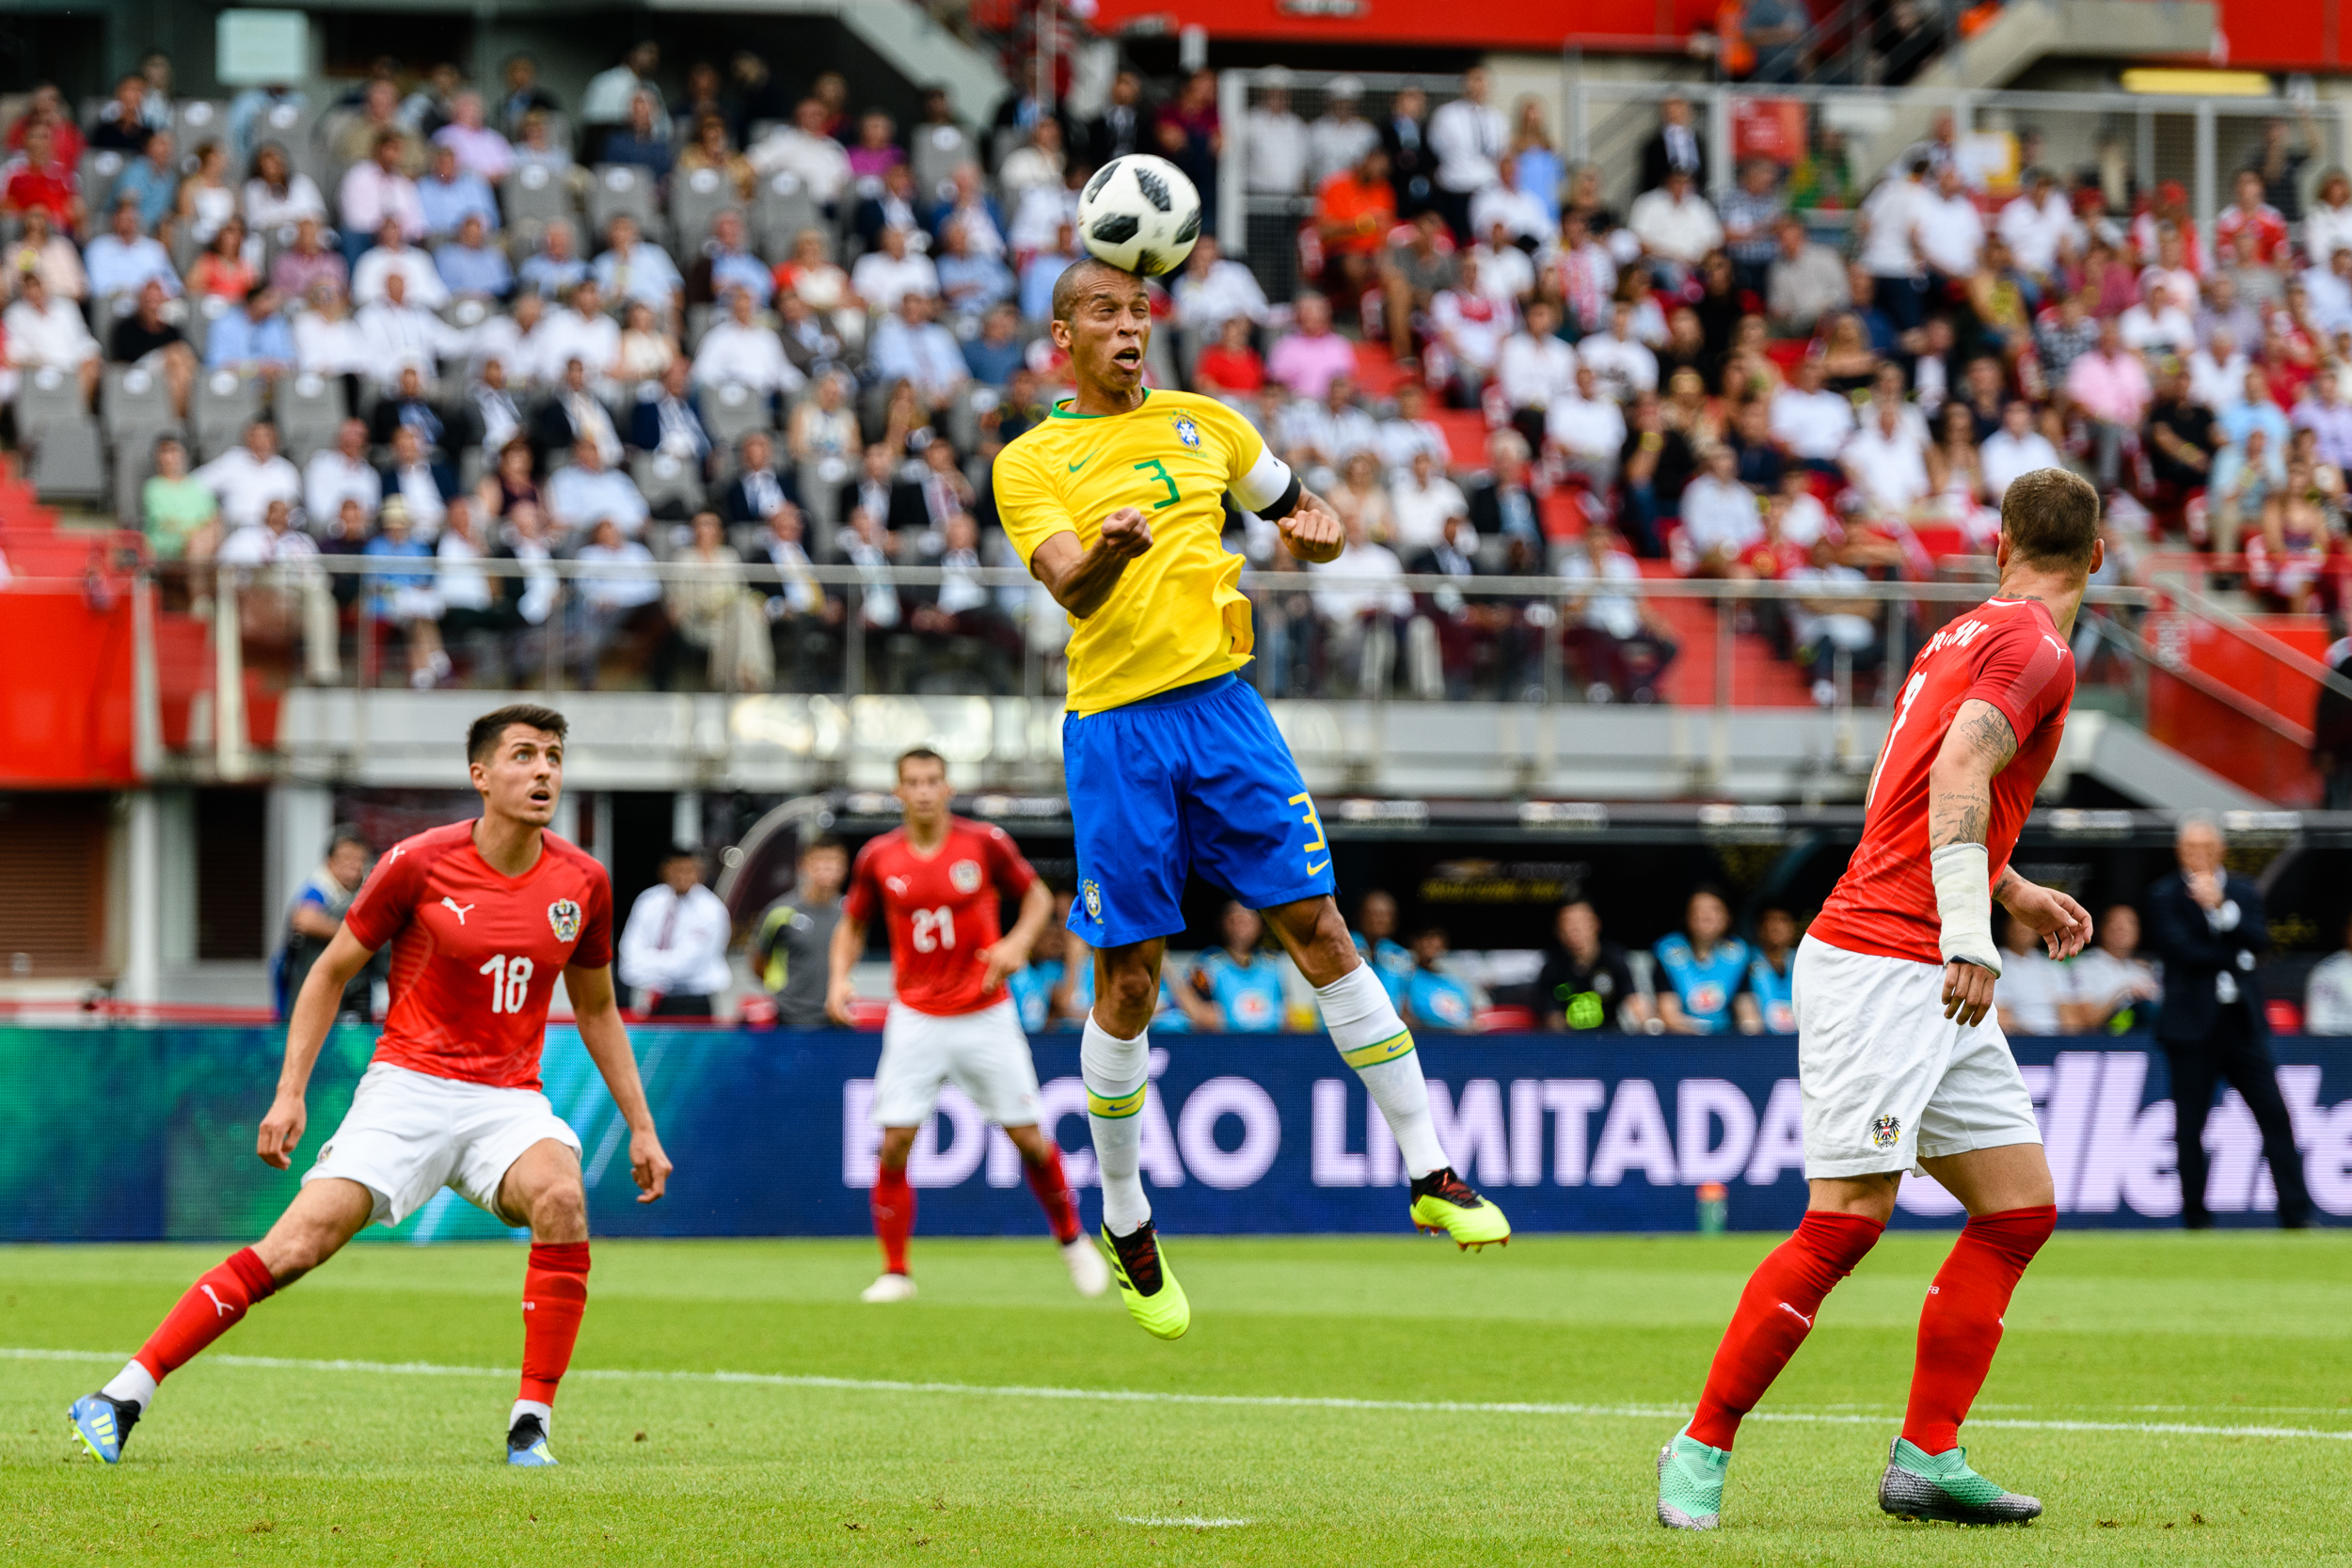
(2051, 517)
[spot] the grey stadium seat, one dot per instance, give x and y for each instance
(101, 169)
(68, 463)
(138, 408)
(46, 397)
(199, 119)
(291, 126)
(732, 412)
(223, 404)
(782, 208)
(197, 325)
(310, 413)
(535, 196)
(618, 188)
(696, 198)
(662, 477)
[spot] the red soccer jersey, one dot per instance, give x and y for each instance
(942, 909)
(475, 953)
(2006, 652)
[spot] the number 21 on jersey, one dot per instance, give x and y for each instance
(934, 929)
(510, 982)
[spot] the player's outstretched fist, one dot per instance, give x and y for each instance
(1313, 531)
(1126, 533)
(649, 1166)
(281, 1130)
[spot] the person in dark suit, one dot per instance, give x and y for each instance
(877, 488)
(2207, 926)
(1122, 127)
(669, 422)
(410, 406)
(758, 491)
(1677, 144)
(1411, 165)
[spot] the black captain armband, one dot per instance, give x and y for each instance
(1285, 504)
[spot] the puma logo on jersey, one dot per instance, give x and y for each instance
(1794, 1313)
(456, 908)
(896, 884)
(398, 850)
(220, 1308)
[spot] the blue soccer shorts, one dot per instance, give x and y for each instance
(1194, 779)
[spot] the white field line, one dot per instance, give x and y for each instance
(1187, 1521)
(1145, 1396)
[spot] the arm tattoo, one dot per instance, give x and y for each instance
(1960, 809)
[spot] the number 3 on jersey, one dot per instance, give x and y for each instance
(934, 929)
(510, 982)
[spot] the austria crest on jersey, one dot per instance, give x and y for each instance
(965, 875)
(563, 917)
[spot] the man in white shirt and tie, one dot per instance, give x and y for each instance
(342, 472)
(246, 479)
(741, 350)
(674, 949)
(1469, 138)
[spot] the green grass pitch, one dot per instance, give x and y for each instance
(2125, 1355)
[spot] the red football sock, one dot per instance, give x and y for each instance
(1960, 1328)
(1774, 1315)
(215, 1304)
(893, 1203)
(1054, 1195)
(555, 1293)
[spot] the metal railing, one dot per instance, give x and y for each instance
(341, 623)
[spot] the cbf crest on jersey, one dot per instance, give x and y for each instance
(965, 875)
(1092, 891)
(564, 915)
(1187, 432)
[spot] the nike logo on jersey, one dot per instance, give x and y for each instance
(1082, 463)
(456, 908)
(220, 1308)
(1313, 870)
(1794, 1313)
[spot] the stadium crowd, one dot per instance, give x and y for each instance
(439, 323)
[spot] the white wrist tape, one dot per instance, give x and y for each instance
(1963, 897)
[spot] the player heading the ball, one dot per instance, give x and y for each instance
(1173, 762)
(1899, 1054)
(936, 879)
(481, 917)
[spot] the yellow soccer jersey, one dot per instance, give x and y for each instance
(1177, 615)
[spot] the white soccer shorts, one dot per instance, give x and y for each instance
(1887, 1079)
(984, 1054)
(408, 1134)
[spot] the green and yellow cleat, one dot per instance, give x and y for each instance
(1152, 1296)
(1921, 1485)
(1443, 1202)
(1691, 1483)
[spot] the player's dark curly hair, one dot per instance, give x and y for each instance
(483, 736)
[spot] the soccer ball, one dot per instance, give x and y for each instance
(1140, 214)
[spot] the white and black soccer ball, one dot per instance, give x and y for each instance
(1140, 214)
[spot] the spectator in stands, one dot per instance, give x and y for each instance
(1624, 365)
(971, 284)
(1467, 324)
(1885, 462)
(1705, 967)
(121, 125)
(579, 329)
(908, 345)
(341, 473)
(1416, 266)
(450, 194)
(888, 200)
(180, 516)
(39, 247)
(997, 352)
(471, 267)
(1619, 639)
(1274, 141)
(393, 254)
(882, 278)
(1766, 1001)
(409, 598)
(878, 490)
(307, 264)
(2035, 223)
(123, 260)
(2017, 448)
(804, 149)
(1410, 430)
(798, 606)
(556, 266)
(610, 100)
(146, 338)
(2108, 986)
(2321, 411)
(246, 478)
(967, 202)
(1125, 125)
(824, 430)
(1585, 429)
(709, 150)
(1231, 368)
(1469, 138)
(1722, 520)
(534, 148)
(222, 269)
(1654, 467)
(1752, 211)
(1306, 361)
(714, 616)
(2109, 388)
(2328, 994)
(757, 492)
(631, 269)
(1339, 136)
(328, 342)
(585, 496)
(423, 483)
(666, 422)
(2031, 987)
(254, 341)
(1361, 620)
(1674, 146)
(38, 177)
(1675, 228)
(277, 197)
(1812, 424)
(1804, 281)
(727, 263)
(1536, 369)
(375, 193)
(1502, 504)
(481, 150)
(399, 334)
(1435, 1000)
(1234, 988)
(1890, 252)
(1422, 499)
(151, 182)
(1586, 983)
(1354, 209)
(622, 594)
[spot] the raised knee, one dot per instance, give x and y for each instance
(560, 1213)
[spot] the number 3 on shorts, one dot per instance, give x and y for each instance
(1315, 823)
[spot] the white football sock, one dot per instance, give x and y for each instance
(1118, 1075)
(532, 1407)
(134, 1384)
(1374, 1041)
